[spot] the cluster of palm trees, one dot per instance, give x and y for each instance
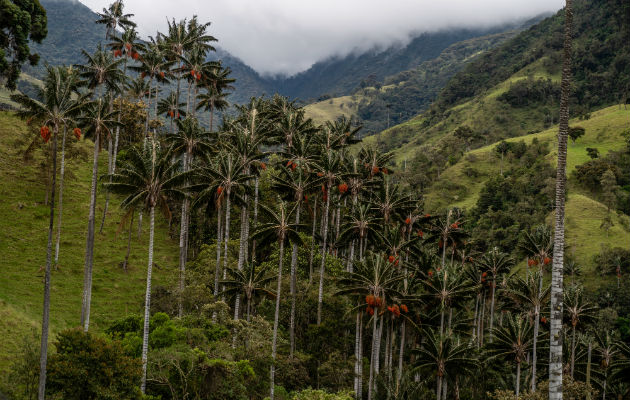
(413, 278)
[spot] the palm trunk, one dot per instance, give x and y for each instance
(89, 247)
(43, 354)
(534, 355)
(360, 387)
(217, 270)
(439, 387)
(492, 308)
(588, 369)
(242, 250)
(357, 361)
(402, 352)
(275, 322)
(572, 351)
(255, 221)
(310, 258)
(183, 243)
(373, 355)
(126, 262)
(555, 343)
(320, 296)
(61, 176)
(147, 302)
(294, 257)
(518, 379)
(226, 236)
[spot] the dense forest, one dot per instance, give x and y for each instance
(307, 265)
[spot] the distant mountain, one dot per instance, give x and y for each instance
(71, 28)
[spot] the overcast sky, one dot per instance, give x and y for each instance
(288, 36)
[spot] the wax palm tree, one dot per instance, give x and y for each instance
(181, 37)
(374, 162)
(293, 185)
(513, 340)
(447, 287)
(538, 246)
(555, 344)
(494, 263)
(212, 100)
(249, 282)
(99, 118)
(620, 367)
(328, 169)
(101, 71)
(606, 351)
(148, 179)
(339, 133)
(189, 141)
(528, 295)
(215, 82)
(57, 108)
(282, 230)
(113, 17)
(364, 224)
(154, 66)
(376, 279)
(577, 309)
(169, 107)
(445, 356)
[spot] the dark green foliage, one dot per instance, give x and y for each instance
(531, 91)
(87, 367)
(600, 46)
(415, 89)
(20, 21)
(516, 201)
(592, 152)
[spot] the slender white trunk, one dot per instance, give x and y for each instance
(242, 249)
(89, 247)
(275, 323)
(183, 234)
(402, 352)
(373, 354)
(556, 306)
(518, 379)
(147, 302)
(310, 258)
(226, 238)
(320, 296)
(255, 219)
(534, 354)
(294, 257)
(217, 270)
(492, 308)
(61, 176)
(43, 354)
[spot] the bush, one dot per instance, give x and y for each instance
(89, 367)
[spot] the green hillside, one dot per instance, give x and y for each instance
(331, 109)
(24, 222)
(460, 184)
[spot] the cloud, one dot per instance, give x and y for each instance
(288, 36)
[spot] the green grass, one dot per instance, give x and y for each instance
(331, 109)
(603, 131)
(24, 223)
(583, 214)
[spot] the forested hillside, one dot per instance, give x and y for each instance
(274, 254)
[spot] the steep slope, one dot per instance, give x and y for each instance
(24, 223)
(460, 184)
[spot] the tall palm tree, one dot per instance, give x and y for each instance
(328, 167)
(606, 351)
(282, 230)
(147, 180)
(293, 185)
(578, 309)
(445, 356)
(99, 118)
(555, 331)
(189, 141)
(113, 17)
(216, 82)
(513, 340)
(249, 282)
(171, 109)
(56, 109)
(494, 262)
(101, 71)
(376, 279)
(528, 295)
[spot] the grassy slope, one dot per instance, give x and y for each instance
(480, 113)
(24, 222)
(329, 110)
(584, 215)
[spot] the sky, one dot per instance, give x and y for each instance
(288, 36)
